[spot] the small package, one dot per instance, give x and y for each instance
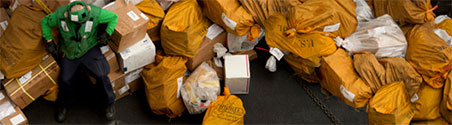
(27, 88)
(131, 26)
(10, 114)
(138, 55)
(200, 89)
(237, 73)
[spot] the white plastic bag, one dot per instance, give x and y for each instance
(200, 89)
(219, 49)
(271, 64)
(381, 36)
(363, 11)
(241, 43)
(443, 35)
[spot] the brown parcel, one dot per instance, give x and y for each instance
(21, 48)
(131, 26)
(29, 87)
(205, 51)
(126, 84)
(16, 117)
(370, 70)
(3, 20)
(338, 76)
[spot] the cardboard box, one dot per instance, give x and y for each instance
(53, 5)
(4, 18)
(251, 54)
(206, 51)
(127, 84)
(9, 113)
(131, 26)
(138, 55)
(33, 84)
(237, 73)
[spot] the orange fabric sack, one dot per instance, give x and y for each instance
(390, 105)
(328, 17)
(162, 80)
(428, 54)
(226, 110)
(309, 46)
(446, 103)
(427, 106)
(410, 11)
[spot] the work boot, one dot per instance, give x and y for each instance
(61, 116)
(110, 112)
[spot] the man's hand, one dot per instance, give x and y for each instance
(104, 37)
(51, 47)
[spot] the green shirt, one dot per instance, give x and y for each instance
(75, 49)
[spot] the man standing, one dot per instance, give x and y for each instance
(83, 28)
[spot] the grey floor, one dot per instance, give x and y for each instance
(275, 98)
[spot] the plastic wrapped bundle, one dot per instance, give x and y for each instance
(381, 36)
(200, 89)
(363, 11)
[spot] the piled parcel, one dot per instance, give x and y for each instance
(393, 57)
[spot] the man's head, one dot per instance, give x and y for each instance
(78, 12)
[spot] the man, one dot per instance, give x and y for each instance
(83, 29)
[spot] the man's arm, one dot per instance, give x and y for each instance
(109, 17)
(46, 24)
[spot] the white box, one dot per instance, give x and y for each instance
(237, 73)
(138, 55)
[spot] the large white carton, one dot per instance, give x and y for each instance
(138, 55)
(237, 73)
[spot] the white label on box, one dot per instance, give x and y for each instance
(45, 57)
(2, 96)
(332, 28)
(17, 119)
(347, 94)
(74, 18)
(113, 84)
(88, 26)
(217, 62)
(4, 24)
(15, 5)
(6, 109)
(213, 31)
(110, 57)
(277, 53)
(441, 18)
(180, 80)
(132, 76)
(230, 23)
(414, 98)
(2, 76)
(25, 78)
(144, 16)
(133, 16)
(124, 89)
(104, 49)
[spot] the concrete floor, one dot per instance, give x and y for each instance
(275, 98)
